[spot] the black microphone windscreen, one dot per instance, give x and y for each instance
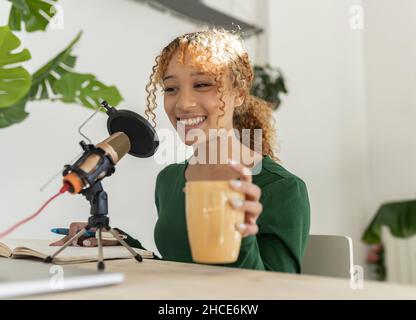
(143, 138)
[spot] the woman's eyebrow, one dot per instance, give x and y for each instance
(198, 74)
(192, 74)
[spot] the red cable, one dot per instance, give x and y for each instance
(64, 189)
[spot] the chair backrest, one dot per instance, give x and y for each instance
(329, 255)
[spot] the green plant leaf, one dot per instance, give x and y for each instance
(35, 14)
(13, 114)
(268, 84)
(86, 90)
(399, 217)
(14, 81)
(43, 80)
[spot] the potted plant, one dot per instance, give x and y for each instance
(400, 218)
(268, 84)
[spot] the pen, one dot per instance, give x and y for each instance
(65, 231)
(88, 234)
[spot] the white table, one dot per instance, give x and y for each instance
(153, 279)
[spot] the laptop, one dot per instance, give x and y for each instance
(22, 278)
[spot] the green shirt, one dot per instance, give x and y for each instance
(283, 224)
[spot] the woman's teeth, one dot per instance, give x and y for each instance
(192, 121)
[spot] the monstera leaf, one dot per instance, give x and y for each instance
(43, 80)
(56, 80)
(13, 114)
(85, 89)
(14, 81)
(35, 14)
(399, 217)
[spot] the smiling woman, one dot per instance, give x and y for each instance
(212, 69)
(206, 79)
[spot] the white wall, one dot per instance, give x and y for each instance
(322, 122)
(390, 51)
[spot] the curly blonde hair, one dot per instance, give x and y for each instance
(215, 52)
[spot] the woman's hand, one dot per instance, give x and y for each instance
(84, 241)
(251, 205)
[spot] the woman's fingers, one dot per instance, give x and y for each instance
(90, 242)
(248, 229)
(252, 208)
(74, 228)
(60, 242)
(244, 172)
(93, 242)
(86, 242)
(252, 191)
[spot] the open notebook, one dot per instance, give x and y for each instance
(15, 248)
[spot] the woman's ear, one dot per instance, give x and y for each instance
(239, 99)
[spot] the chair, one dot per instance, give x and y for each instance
(329, 255)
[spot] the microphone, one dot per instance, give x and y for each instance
(129, 133)
(97, 162)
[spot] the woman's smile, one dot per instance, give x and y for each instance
(190, 122)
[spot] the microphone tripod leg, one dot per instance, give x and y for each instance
(100, 265)
(116, 235)
(49, 259)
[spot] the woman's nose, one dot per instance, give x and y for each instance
(186, 100)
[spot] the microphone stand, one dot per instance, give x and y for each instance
(98, 199)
